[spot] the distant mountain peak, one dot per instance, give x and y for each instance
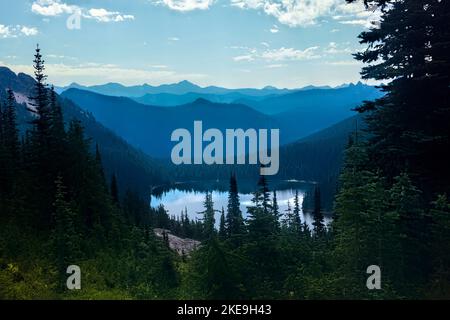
(270, 88)
(358, 84)
(75, 84)
(186, 83)
(5, 71)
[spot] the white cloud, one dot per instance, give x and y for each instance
(29, 31)
(265, 44)
(284, 54)
(186, 5)
(360, 22)
(295, 13)
(274, 29)
(5, 31)
(281, 54)
(61, 57)
(344, 63)
(15, 31)
(53, 8)
(275, 66)
(159, 66)
(103, 15)
(247, 57)
(334, 48)
(173, 39)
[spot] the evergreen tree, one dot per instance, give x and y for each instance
(65, 237)
(264, 194)
(40, 162)
(287, 216)
(41, 106)
(261, 220)
(3, 182)
(364, 229)
(296, 222)
(235, 221)
(9, 145)
(208, 217)
(441, 247)
(10, 131)
(413, 230)
(114, 190)
(409, 50)
(222, 225)
(319, 225)
(275, 207)
(99, 164)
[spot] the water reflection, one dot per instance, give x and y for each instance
(176, 201)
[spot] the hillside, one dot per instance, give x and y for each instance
(134, 169)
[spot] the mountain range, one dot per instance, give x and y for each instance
(181, 88)
(148, 127)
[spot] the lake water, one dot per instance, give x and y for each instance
(176, 200)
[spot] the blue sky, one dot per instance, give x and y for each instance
(231, 43)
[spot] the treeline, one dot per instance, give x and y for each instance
(57, 209)
(269, 255)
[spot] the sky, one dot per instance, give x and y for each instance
(229, 43)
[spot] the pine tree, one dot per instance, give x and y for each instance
(235, 221)
(3, 169)
(261, 220)
(10, 131)
(9, 145)
(413, 230)
(2, 120)
(57, 121)
(287, 216)
(264, 194)
(40, 155)
(99, 163)
(365, 228)
(409, 49)
(319, 225)
(296, 221)
(440, 245)
(222, 225)
(65, 237)
(208, 217)
(275, 207)
(41, 106)
(115, 190)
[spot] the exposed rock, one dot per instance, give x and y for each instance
(181, 246)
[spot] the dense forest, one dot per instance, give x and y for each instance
(391, 208)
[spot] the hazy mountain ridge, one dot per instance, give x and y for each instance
(182, 88)
(152, 125)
